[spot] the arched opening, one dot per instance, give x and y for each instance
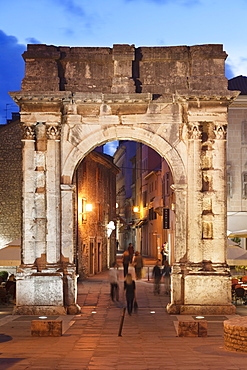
(131, 199)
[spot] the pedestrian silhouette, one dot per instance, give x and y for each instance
(130, 290)
(113, 279)
(157, 274)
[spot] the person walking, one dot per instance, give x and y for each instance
(130, 289)
(166, 272)
(138, 265)
(157, 274)
(131, 251)
(126, 261)
(164, 253)
(113, 279)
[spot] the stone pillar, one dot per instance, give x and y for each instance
(67, 250)
(204, 262)
(67, 215)
(53, 193)
(40, 280)
(180, 251)
(28, 174)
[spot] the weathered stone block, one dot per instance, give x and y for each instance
(46, 328)
(188, 329)
(202, 328)
(192, 328)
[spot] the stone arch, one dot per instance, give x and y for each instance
(155, 141)
(174, 99)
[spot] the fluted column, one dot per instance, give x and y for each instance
(53, 193)
(28, 203)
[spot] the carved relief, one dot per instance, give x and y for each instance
(195, 132)
(207, 230)
(53, 132)
(206, 182)
(220, 132)
(206, 161)
(28, 132)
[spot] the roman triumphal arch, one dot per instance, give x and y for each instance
(174, 99)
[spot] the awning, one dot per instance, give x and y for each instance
(10, 256)
(236, 256)
(236, 221)
(238, 234)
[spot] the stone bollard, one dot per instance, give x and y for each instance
(46, 328)
(235, 334)
(192, 328)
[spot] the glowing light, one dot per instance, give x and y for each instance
(152, 311)
(89, 207)
(43, 317)
(93, 312)
(110, 228)
(200, 317)
(136, 209)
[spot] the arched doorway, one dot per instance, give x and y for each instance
(174, 100)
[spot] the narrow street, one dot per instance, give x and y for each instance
(91, 339)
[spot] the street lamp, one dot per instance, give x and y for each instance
(84, 208)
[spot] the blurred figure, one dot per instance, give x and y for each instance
(131, 251)
(157, 274)
(10, 287)
(113, 279)
(126, 261)
(130, 289)
(138, 265)
(164, 253)
(166, 272)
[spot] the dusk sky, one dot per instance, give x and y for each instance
(108, 22)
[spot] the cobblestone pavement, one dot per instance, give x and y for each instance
(91, 339)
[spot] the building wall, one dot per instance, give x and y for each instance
(10, 182)
(123, 158)
(96, 185)
(237, 167)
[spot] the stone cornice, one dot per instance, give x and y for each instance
(98, 98)
(210, 96)
(239, 102)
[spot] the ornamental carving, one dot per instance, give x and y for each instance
(28, 132)
(53, 132)
(195, 132)
(220, 132)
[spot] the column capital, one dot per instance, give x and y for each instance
(53, 131)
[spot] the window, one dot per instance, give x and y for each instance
(144, 198)
(152, 214)
(244, 185)
(229, 185)
(244, 132)
(167, 183)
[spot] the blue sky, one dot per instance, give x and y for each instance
(108, 22)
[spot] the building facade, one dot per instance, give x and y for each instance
(95, 180)
(10, 182)
(237, 162)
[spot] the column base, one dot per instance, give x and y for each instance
(201, 309)
(40, 310)
(73, 309)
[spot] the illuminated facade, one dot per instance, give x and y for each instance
(74, 99)
(95, 181)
